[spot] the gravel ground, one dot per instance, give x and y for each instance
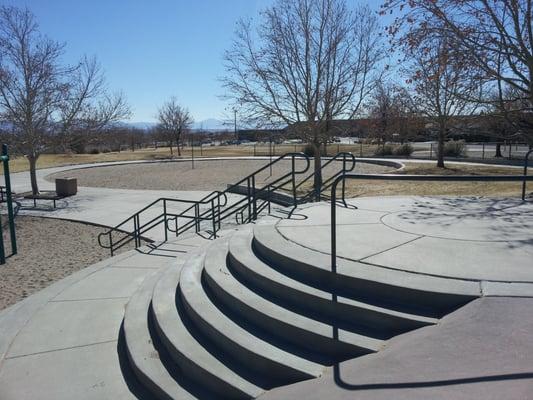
(207, 175)
(48, 250)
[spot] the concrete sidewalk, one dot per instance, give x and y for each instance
(482, 351)
(64, 342)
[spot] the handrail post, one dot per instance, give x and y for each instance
(254, 199)
(213, 218)
(293, 166)
(218, 211)
(9, 200)
(526, 162)
(165, 218)
(344, 180)
(248, 195)
(196, 217)
(135, 225)
(334, 224)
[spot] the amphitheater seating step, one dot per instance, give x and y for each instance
(252, 311)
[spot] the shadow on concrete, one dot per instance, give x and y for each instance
(413, 385)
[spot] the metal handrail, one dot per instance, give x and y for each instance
(250, 201)
(432, 178)
(138, 228)
(327, 183)
(215, 213)
(526, 162)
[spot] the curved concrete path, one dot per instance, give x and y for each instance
(61, 343)
(488, 240)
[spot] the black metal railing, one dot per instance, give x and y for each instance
(429, 178)
(526, 164)
(140, 228)
(348, 164)
(213, 207)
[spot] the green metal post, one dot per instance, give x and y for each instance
(11, 216)
(2, 251)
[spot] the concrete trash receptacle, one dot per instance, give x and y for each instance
(66, 186)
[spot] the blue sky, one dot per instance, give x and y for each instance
(151, 50)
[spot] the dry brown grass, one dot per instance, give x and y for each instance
(420, 188)
(19, 164)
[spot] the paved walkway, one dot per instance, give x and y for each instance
(484, 239)
(482, 351)
(61, 343)
(102, 206)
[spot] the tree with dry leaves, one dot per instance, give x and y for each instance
(307, 63)
(442, 83)
(496, 36)
(42, 99)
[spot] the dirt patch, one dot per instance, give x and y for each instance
(206, 175)
(48, 250)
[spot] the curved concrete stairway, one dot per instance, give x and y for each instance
(253, 311)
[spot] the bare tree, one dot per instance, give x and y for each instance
(174, 121)
(307, 63)
(443, 82)
(39, 96)
(497, 36)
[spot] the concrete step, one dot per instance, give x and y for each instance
(144, 357)
(278, 322)
(270, 362)
(303, 298)
(404, 291)
(193, 357)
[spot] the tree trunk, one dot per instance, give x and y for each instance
(498, 150)
(317, 185)
(170, 145)
(33, 174)
(440, 147)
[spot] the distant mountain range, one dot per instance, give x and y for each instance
(210, 124)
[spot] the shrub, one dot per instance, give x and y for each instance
(385, 150)
(94, 151)
(455, 148)
(403, 150)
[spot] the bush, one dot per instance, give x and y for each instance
(385, 150)
(94, 151)
(404, 150)
(455, 148)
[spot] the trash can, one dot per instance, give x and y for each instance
(66, 186)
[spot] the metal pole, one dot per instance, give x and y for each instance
(10, 213)
(334, 226)
(192, 150)
(2, 250)
(213, 218)
(254, 205)
(293, 181)
(165, 218)
(270, 152)
(430, 151)
(526, 162)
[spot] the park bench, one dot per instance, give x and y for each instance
(44, 195)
